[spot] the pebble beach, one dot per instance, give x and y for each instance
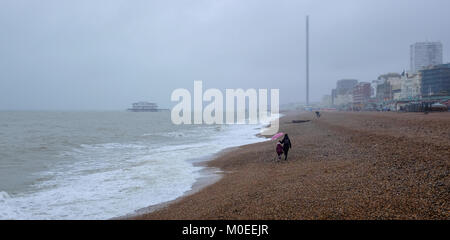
(356, 166)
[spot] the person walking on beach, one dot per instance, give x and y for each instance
(286, 145)
(279, 150)
(317, 114)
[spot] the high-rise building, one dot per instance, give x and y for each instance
(345, 86)
(425, 54)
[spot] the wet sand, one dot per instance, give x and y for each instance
(342, 166)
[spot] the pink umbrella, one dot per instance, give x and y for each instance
(276, 136)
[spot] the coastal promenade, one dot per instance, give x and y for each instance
(342, 166)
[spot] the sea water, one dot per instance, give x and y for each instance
(101, 165)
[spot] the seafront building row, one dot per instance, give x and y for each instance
(426, 84)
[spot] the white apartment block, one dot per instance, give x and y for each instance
(424, 54)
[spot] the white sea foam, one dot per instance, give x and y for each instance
(106, 180)
(101, 189)
(8, 210)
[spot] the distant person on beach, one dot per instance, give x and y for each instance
(279, 150)
(286, 145)
(317, 114)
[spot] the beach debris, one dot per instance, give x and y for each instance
(300, 121)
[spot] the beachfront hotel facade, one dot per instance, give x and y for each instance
(411, 86)
(361, 93)
(389, 87)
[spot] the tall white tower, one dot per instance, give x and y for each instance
(307, 60)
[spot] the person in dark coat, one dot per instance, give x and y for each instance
(286, 145)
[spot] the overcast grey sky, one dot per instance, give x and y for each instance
(106, 54)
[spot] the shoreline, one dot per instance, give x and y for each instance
(342, 166)
(209, 176)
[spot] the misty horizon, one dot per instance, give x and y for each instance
(105, 55)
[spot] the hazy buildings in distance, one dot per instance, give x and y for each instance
(390, 88)
(361, 94)
(342, 95)
(425, 54)
(427, 83)
(345, 85)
